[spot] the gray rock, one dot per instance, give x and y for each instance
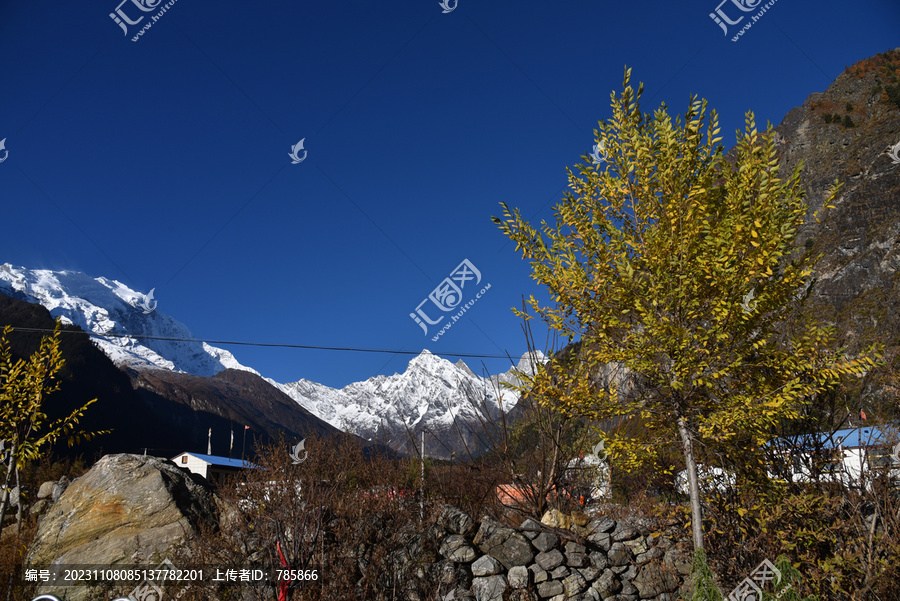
(619, 554)
(549, 559)
(589, 573)
(550, 588)
(651, 554)
(664, 542)
(518, 577)
(13, 495)
(545, 541)
(489, 588)
(459, 594)
(637, 546)
(602, 540)
(629, 589)
(529, 526)
(509, 547)
(456, 548)
(59, 488)
(45, 490)
(39, 507)
(126, 509)
(624, 532)
(576, 560)
(599, 560)
(602, 525)
(573, 547)
(455, 521)
(486, 566)
(559, 573)
(653, 580)
(540, 574)
(625, 572)
(607, 584)
(574, 583)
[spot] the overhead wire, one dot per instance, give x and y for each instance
(259, 344)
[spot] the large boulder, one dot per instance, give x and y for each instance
(123, 511)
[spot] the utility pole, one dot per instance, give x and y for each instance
(422, 491)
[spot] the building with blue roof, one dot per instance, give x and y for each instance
(850, 456)
(211, 467)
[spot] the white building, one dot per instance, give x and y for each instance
(211, 467)
(852, 456)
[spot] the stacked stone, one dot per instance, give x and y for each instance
(608, 560)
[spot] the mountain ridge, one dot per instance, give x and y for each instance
(432, 394)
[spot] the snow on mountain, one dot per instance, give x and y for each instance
(445, 399)
(104, 306)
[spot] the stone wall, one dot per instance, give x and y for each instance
(576, 558)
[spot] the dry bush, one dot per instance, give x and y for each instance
(468, 486)
(346, 513)
(843, 542)
(13, 549)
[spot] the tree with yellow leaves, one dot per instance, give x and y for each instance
(680, 274)
(24, 386)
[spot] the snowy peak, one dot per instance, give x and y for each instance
(109, 307)
(446, 400)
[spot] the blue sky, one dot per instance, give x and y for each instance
(163, 163)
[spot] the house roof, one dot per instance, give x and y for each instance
(219, 461)
(866, 436)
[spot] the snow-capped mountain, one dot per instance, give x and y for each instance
(108, 307)
(446, 400)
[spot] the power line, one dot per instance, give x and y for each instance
(259, 344)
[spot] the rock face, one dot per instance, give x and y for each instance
(844, 134)
(125, 509)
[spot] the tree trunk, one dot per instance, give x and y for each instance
(687, 443)
(19, 504)
(4, 502)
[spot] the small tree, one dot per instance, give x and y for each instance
(24, 385)
(679, 273)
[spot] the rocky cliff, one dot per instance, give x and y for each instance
(844, 134)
